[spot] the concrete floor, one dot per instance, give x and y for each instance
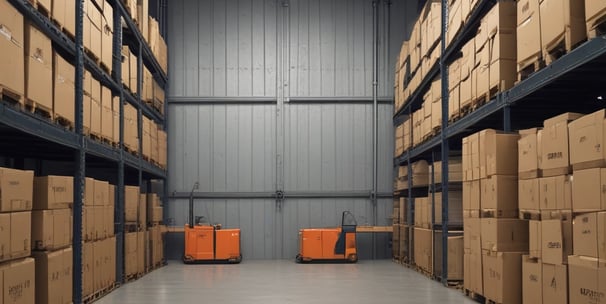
(284, 281)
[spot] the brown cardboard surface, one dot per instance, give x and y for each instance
(504, 235)
(88, 270)
(554, 144)
(38, 67)
(455, 256)
(475, 281)
(5, 236)
(455, 208)
(587, 190)
(528, 31)
(528, 153)
(107, 36)
(51, 229)
(472, 232)
(499, 192)
(63, 88)
(53, 276)
(589, 234)
(555, 193)
(130, 253)
(556, 240)
(88, 221)
(502, 272)
(473, 198)
(107, 116)
(16, 190)
(498, 153)
(587, 140)
(131, 199)
(19, 284)
(532, 281)
(560, 17)
(101, 193)
(586, 280)
(534, 239)
(593, 10)
(21, 233)
(528, 194)
(53, 192)
(12, 48)
(555, 284)
(141, 252)
(89, 191)
(422, 248)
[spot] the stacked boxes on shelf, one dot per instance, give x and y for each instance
(17, 269)
(12, 80)
(156, 230)
(52, 238)
(423, 250)
(495, 238)
(401, 232)
(587, 265)
(99, 249)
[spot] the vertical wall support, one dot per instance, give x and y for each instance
(79, 157)
(507, 119)
(445, 145)
(119, 210)
(375, 114)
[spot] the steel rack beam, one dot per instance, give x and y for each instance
(148, 57)
(147, 110)
(274, 195)
(416, 95)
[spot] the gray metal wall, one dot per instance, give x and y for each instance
(225, 57)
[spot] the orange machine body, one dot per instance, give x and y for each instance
(319, 244)
(205, 243)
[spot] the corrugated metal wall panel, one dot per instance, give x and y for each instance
(329, 147)
(223, 147)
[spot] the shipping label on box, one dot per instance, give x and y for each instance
(586, 279)
(588, 190)
(589, 234)
(502, 272)
(587, 140)
(19, 281)
(556, 238)
(53, 192)
(504, 235)
(554, 145)
(532, 282)
(16, 190)
(555, 193)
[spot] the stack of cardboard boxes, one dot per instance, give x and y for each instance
(52, 238)
(401, 233)
(587, 265)
(99, 248)
(155, 230)
(495, 238)
(18, 271)
(423, 250)
(136, 223)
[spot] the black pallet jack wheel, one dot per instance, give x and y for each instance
(299, 259)
(352, 258)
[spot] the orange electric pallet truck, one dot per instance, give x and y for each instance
(206, 243)
(329, 244)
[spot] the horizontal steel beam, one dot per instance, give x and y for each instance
(209, 100)
(338, 99)
(273, 195)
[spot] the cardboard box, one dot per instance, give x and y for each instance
(455, 170)
(502, 272)
(454, 106)
(528, 194)
(51, 229)
(587, 141)
(455, 208)
(554, 145)
(472, 235)
(116, 119)
(107, 116)
(53, 192)
(594, 10)
(88, 223)
(19, 281)
(126, 67)
(535, 243)
(556, 240)
(53, 276)
(504, 235)
(131, 202)
(586, 279)
(11, 47)
(143, 210)
(133, 72)
(88, 268)
(455, 256)
(497, 153)
(141, 252)
(423, 248)
(559, 18)
(38, 68)
(587, 190)
(16, 190)
(589, 234)
(528, 153)
(63, 88)
(109, 220)
(471, 195)
(101, 193)
(555, 193)
(107, 35)
(455, 20)
(89, 191)
(20, 234)
(555, 284)
(499, 193)
(143, 17)
(528, 33)
(532, 281)
(473, 272)
(95, 16)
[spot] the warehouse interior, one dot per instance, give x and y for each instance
(281, 150)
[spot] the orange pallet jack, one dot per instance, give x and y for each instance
(206, 243)
(329, 244)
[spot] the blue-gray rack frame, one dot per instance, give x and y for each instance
(518, 95)
(76, 140)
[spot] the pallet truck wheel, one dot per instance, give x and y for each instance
(352, 258)
(299, 259)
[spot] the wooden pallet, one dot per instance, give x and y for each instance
(474, 296)
(533, 64)
(64, 122)
(38, 109)
(133, 277)
(99, 294)
(132, 227)
(597, 25)
(39, 247)
(10, 96)
(556, 215)
(64, 30)
(534, 215)
(45, 11)
(560, 47)
(493, 213)
(93, 56)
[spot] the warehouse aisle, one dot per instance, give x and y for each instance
(284, 281)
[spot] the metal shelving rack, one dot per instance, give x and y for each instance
(577, 75)
(37, 138)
